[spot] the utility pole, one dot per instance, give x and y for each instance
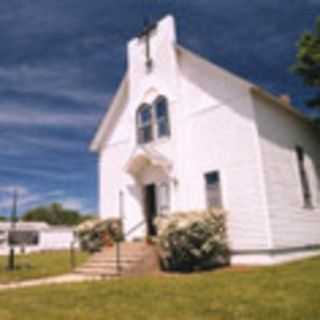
(13, 219)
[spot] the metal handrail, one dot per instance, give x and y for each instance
(118, 243)
(134, 228)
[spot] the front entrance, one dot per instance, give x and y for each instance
(150, 204)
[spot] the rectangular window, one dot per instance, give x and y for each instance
(305, 186)
(213, 189)
(164, 196)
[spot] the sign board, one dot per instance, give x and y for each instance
(23, 238)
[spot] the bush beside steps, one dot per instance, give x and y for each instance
(192, 241)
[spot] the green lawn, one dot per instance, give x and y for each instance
(290, 292)
(38, 265)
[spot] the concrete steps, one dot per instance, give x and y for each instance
(134, 256)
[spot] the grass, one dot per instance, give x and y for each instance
(38, 265)
(289, 292)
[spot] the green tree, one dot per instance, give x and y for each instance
(307, 63)
(54, 214)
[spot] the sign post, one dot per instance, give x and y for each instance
(13, 218)
(73, 262)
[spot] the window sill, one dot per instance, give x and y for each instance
(158, 141)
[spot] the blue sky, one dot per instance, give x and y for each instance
(61, 61)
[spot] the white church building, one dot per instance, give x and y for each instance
(183, 134)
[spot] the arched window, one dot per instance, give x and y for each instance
(144, 124)
(161, 116)
(152, 121)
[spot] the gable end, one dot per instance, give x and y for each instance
(118, 101)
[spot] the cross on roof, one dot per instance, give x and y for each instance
(146, 33)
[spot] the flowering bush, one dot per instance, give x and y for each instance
(95, 234)
(192, 241)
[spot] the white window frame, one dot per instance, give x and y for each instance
(140, 126)
(158, 120)
(219, 205)
(153, 123)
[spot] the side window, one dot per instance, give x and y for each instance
(164, 196)
(144, 124)
(213, 189)
(162, 116)
(304, 181)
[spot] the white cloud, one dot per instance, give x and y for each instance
(11, 189)
(73, 203)
(15, 144)
(52, 80)
(83, 96)
(22, 115)
(26, 197)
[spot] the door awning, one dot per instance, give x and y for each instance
(146, 156)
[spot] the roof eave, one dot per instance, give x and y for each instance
(96, 142)
(183, 50)
(256, 90)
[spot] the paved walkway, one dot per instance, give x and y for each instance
(67, 278)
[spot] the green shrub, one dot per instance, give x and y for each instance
(95, 234)
(192, 241)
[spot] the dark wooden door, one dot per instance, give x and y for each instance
(150, 208)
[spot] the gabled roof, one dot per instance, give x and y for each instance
(104, 125)
(266, 95)
(210, 66)
(254, 89)
(121, 95)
